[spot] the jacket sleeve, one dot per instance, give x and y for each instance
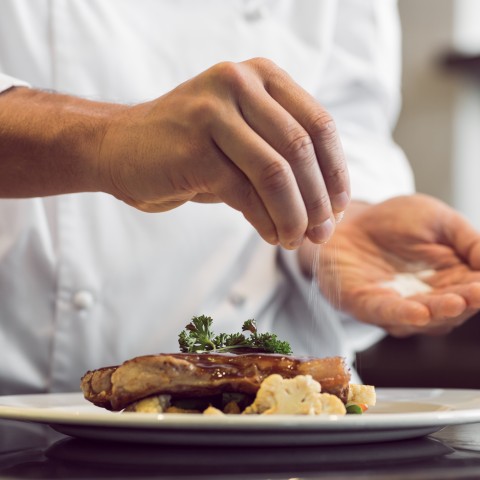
(7, 82)
(360, 87)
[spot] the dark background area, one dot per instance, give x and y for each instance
(450, 361)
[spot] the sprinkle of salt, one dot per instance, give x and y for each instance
(408, 284)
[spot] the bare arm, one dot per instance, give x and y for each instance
(49, 143)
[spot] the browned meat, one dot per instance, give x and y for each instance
(199, 375)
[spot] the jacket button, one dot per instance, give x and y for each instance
(255, 13)
(83, 299)
(237, 299)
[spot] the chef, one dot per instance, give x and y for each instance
(164, 159)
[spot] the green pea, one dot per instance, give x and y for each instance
(353, 408)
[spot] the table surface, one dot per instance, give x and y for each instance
(36, 451)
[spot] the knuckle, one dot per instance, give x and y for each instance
(204, 110)
(232, 75)
(321, 204)
(267, 71)
(262, 63)
(323, 126)
(275, 177)
(336, 173)
(299, 149)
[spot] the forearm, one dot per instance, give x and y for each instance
(49, 143)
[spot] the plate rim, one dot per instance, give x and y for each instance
(369, 421)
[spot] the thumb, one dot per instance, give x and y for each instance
(465, 240)
(474, 256)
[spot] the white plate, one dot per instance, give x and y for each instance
(399, 414)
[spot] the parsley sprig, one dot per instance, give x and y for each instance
(198, 337)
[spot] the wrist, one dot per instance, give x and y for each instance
(80, 139)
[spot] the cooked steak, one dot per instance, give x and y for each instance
(199, 375)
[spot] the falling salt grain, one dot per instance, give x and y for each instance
(407, 284)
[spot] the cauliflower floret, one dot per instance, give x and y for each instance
(213, 411)
(332, 405)
(154, 404)
(295, 396)
(362, 394)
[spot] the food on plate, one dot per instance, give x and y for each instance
(205, 379)
(295, 396)
(360, 397)
(300, 395)
(190, 375)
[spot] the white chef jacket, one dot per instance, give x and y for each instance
(87, 281)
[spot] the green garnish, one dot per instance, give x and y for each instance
(199, 338)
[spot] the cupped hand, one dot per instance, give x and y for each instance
(241, 133)
(410, 265)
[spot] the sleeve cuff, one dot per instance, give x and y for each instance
(7, 82)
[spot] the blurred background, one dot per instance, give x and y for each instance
(439, 129)
(440, 122)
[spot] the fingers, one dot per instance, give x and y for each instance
(455, 231)
(474, 254)
(469, 292)
(320, 127)
(444, 307)
(449, 309)
(389, 310)
(268, 118)
(271, 177)
(233, 188)
(287, 146)
(431, 314)
(461, 235)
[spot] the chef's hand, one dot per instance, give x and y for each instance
(241, 133)
(414, 238)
